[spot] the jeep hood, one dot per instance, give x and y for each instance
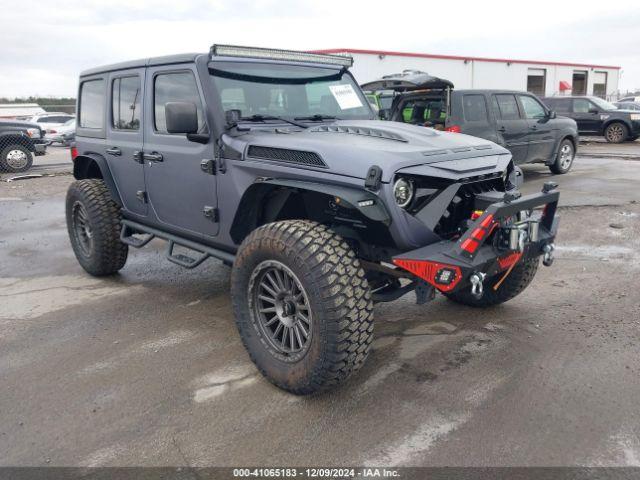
(351, 147)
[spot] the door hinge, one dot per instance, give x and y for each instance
(211, 213)
(208, 166)
(142, 196)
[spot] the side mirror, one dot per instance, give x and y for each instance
(595, 111)
(552, 114)
(181, 117)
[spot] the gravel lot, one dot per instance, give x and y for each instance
(146, 368)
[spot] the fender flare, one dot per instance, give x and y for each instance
(349, 197)
(94, 165)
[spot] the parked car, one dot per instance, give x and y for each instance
(63, 134)
(630, 99)
(596, 116)
(51, 119)
(19, 142)
(273, 162)
(516, 120)
(628, 105)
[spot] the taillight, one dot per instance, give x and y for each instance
(51, 131)
(454, 129)
(74, 152)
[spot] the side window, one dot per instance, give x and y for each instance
(91, 113)
(474, 108)
(582, 105)
(532, 108)
(561, 106)
(508, 107)
(175, 87)
(125, 101)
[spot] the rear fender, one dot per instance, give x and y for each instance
(93, 165)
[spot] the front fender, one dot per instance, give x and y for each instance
(365, 202)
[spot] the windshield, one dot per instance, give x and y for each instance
(603, 104)
(288, 91)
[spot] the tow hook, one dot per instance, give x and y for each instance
(548, 257)
(477, 280)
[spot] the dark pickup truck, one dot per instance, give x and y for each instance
(515, 120)
(596, 116)
(19, 142)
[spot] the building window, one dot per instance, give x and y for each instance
(579, 83)
(600, 84)
(536, 81)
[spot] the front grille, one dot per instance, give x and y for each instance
(452, 222)
(299, 157)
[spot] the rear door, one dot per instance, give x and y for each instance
(181, 194)
(541, 134)
(586, 115)
(511, 127)
(124, 137)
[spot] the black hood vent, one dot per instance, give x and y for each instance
(368, 132)
(299, 157)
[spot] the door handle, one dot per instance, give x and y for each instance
(502, 129)
(115, 151)
(533, 127)
(153, 157)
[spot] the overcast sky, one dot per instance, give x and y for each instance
(43, 45)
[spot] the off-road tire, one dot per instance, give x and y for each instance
(339, 300)
(519, 279)
(563, 164)
(616, 132)
(106, 254)
(5, 165)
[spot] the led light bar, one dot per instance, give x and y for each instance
(275, 54)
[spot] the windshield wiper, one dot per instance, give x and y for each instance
(317, 117)
(262, 118)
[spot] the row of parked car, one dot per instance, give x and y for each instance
(22, 139)
(534, 130)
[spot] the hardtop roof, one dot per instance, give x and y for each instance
(143, 62)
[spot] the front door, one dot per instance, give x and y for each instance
(181, 195)
(124, 137)
(586, 115)
(541, 136)
(512, 127)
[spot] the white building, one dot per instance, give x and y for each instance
(539, 77)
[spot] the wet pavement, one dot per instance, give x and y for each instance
(146, 367)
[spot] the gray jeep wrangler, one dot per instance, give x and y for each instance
(271, 161)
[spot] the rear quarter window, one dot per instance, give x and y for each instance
(474, 108)
(92, 98)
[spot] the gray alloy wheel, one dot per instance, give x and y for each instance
(616, 133)
(564, 157)
(82, 229)
(281, 306)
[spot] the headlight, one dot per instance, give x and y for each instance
(635, 116)
(403, 192)
(33, 132)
